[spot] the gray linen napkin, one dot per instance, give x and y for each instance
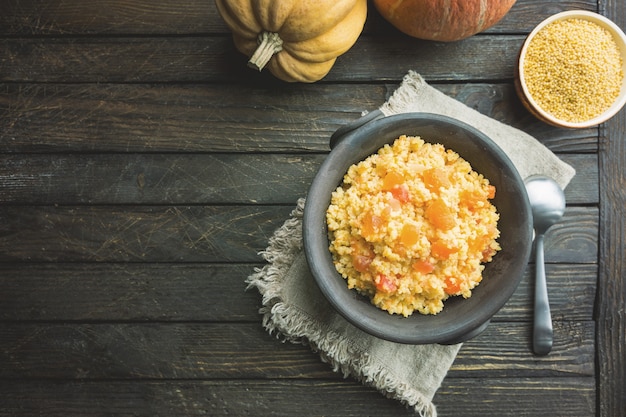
(295, 310)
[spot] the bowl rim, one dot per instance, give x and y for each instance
(620, 40)
(365, 315)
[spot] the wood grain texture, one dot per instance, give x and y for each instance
(114, 17)
(127, 292)
(143, 167)
(139, 234)
(183, 292)
(291, 397)
(239, 178)
(285, 397)
(203, 350)
(194, 17)
(611, 313)
(574, 397)
(244, 117)
(198, 233)
(213, 59)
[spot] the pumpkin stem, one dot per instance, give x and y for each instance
(269, 44)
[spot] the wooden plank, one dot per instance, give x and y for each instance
(227, 118)
(505, 349)
(388, 57)
(561, 397)
(194, 17)
(202, 350)
(128, 292)
(120, 60)
(179, 118)
(477, 398)
(191, 178)
(215, 292)
(198, 233)
(569, 240)
(583, 188)
(153, 351)
(110, 17)
(157, 179)
(611, 315)
(529, 13)
(173, 292)
(214, 59)
(571, 291)
(138, 234)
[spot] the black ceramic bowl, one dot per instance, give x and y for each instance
(461, 318)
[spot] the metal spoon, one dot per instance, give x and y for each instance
(548, 205)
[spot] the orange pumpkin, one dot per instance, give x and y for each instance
(443, 20)
(297, 40)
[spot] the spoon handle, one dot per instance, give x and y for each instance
(542, 330)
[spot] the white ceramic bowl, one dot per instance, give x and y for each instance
(520, 79)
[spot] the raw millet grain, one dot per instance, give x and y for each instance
(573, 69)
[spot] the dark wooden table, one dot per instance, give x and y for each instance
(143, 167)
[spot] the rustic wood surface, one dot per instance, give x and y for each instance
(143, 167)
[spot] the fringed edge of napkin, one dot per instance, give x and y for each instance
(288, 323)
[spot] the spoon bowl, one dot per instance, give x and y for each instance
(547, 202)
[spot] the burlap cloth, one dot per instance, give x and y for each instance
(295, 310)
